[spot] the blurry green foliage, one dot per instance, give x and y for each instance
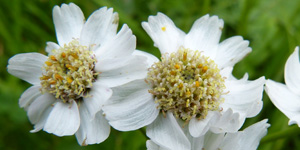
(271, 26)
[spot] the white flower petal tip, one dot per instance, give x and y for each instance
(227, 122)
(100, 27)
(63, 120)
(205, 35)
(285, 100)
(250, 105)
(151, 59)
(200, 127)
(98, 96)
(131, 107)
(166, 36)
(27, 67)
(292, 72)
(29, 96)
(166, 131)
(294, 120)
(51, 46)
(68, 22)
(215, 122)
(262, 124)
(92, 130)
(38, 107)
(121, 45)
(247, 139)
(231, 51)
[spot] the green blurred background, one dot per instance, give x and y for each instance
(271, 26)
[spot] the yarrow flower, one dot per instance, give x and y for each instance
(248, 139)
(193, 82)
(287, 97)
(71, 84)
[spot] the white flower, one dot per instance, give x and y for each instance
(248, 139)
(72, 83)
(193, 81)
(287, 97)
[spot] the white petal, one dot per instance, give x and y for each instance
(166, 131)
(245, 140)
(107, 64)
(200, 127)
(97, 97)
(38, 106)
(231, 51)
(68, 22)
(227, 122)
(166, 36)
(121, 45)
(212, 141)
(51, 46)
(27, 66)
(152, 146)
(39, 125)
(285, 100)
(295, 119)
(91, 130)
(205, 35)
(243, 94)
(197, 143)
(292, 72)
(29, 95)
(135, 68)
(282, 97)
(63, 119)
(227, 73)
(99, 27)
(151, 59)
(131, 106)
(215, 122)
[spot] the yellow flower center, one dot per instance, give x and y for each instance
(186, 83)
(69, 72)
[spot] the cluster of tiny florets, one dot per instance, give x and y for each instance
(186, 83)
(69, 72)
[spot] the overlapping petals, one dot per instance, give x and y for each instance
(248, 139)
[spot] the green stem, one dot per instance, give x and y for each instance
(289, 132)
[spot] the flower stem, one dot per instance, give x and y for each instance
(289, 132)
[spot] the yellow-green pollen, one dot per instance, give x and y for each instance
(187, 84)
(69, 72)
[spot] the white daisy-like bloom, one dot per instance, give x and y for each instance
(248, 139)
(193, 81)
(287, 97)
(72, 83)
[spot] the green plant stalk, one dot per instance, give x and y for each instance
(289, 132)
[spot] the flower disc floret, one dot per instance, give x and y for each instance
(186, 83)
(69, 72)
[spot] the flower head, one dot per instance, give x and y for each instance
(193, 82)
(72, 83)
(187, 84)
(287, 97)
